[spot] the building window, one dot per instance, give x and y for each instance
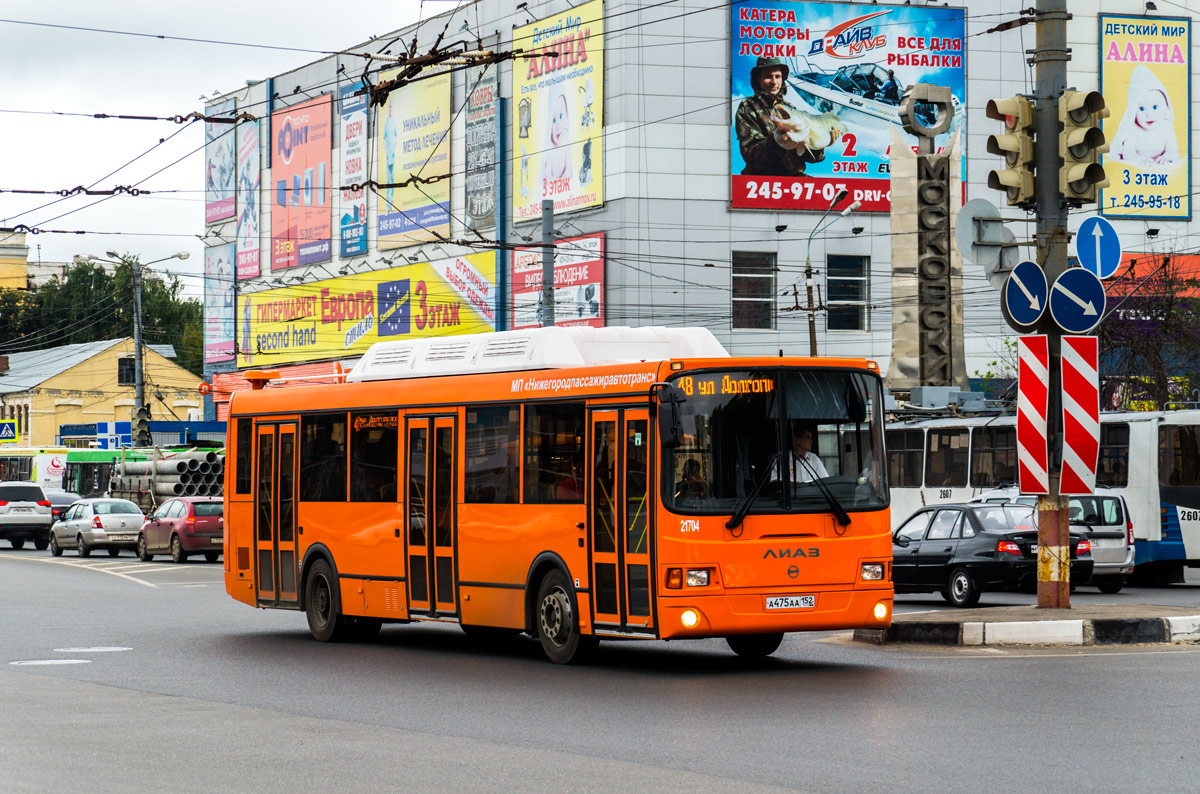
(847, 282)
(753, 290)
(125, 372)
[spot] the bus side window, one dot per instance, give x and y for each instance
(374, 443)
(493, 457)
(242, 480)
(946, 458)
(323, 458)
(553, 443)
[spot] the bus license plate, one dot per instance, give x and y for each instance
(791, 602)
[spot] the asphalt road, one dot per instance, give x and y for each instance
(158, 681)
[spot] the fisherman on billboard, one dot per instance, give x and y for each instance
(777, 138)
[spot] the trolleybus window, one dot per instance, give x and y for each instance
(373, 449)
(1113, 468)
(993, 456)
(554, 453)
(736, 425)
(1179, 455)
(946, 459)
(323, 458)
(905, 450)
(493, 455)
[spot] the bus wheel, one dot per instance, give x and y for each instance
(325, 619)
(754, 646)
(558, 623)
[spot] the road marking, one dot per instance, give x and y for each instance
(94, 649)
(47, 662)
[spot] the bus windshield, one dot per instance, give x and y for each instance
(789, 427)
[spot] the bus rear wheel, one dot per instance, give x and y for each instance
(325, 620)
(558, 623)
(754, 646)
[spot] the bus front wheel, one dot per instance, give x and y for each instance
(558, 623)
(321, 605)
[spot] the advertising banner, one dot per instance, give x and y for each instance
(344, 316)
(483, 138)
(816, 91)
(558, 151)
(218, 303)
(249, 180)
(219, 165)
(413, 128)
(1145, 76)
(353, 223)
(301, 150)
(578, 283)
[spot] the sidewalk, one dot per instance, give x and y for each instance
(1027, 625)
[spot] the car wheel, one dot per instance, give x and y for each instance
(81, 544)
(321, 606)
(558, 623)
(178, 555)
(17, 544)
(41, 545)
(1110, 584)
(211, 556)
(142, 554)
(114, 552)
(55, 549)
(962, 589)
(754, 646)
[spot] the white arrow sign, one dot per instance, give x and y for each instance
(1097, 236)
(1033, 301)
(1089, 308)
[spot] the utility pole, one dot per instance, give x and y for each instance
(138, 378)
(547, 263)
(1050, 62)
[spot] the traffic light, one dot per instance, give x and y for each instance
(1016, 146)
(141, 427)
(1080, 144)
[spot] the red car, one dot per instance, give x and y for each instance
(184, 526)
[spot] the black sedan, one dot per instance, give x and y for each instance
(962, 550)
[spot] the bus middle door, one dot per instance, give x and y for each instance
(431, 535)
(619, 520)
(275, 514)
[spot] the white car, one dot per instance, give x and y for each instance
(1105, 518)
(89, 524)
(25, 514)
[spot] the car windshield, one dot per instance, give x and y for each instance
(1006, 517)
(208, 508)
(112, 508)
(815, 424)
(21, 493)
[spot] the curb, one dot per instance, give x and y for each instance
(1105, 631)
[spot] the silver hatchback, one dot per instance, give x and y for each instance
(25, 514)
(89, 524)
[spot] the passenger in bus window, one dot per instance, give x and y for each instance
(691, 484)
(568, 488)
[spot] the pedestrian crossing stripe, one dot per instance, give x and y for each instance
(8, 431)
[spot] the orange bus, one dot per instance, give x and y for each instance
(570, 483)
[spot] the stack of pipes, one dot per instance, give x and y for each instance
(182, 473)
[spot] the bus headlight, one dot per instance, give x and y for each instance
(689, 618)
(872, 571)
(697, 577)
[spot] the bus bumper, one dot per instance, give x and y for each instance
(719, 615)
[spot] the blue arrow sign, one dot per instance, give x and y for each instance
(1077, 301)
(1098, 247)
(1025, 293)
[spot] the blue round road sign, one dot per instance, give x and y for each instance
(1077, 301)
(1098, 247)
(1025, 293)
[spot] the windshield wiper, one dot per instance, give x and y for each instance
(736, 519)
(843, 517)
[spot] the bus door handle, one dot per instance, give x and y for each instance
(299, 530)
(397, 533)
(581, 525)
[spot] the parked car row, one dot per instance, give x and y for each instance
(61, 521)
(991, 543)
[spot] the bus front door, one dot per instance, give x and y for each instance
(431, 537)
(275, 514)
(619, 520)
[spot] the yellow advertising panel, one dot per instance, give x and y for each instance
(344, 316)
(558, 150)
(414, 140)
(1145, 69)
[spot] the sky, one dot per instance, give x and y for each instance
(47, 70)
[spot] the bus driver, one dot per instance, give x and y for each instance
(804, 464)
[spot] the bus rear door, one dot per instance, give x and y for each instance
(619, 520)
(275, 513)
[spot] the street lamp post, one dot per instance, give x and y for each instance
(808, 273)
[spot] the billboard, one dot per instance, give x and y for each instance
(578, 283)
(344, 316)
(249, 180)
(301, 147)
(1145, 76)
(219, 165)
(817, 114)
(413, 128)
(353, 222)
(483, 138)
(218, 302)
(558, 150)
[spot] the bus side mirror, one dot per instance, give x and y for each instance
(669, 429)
